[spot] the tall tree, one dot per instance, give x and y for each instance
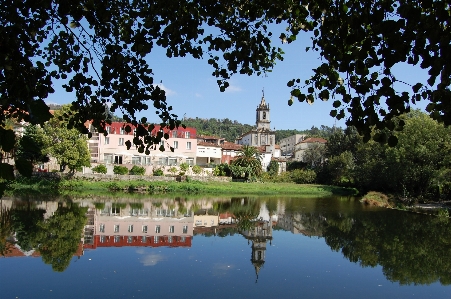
(68, 146)
(32, 146)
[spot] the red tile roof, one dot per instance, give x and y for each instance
(231, 146)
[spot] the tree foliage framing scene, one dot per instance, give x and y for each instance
(99, 50)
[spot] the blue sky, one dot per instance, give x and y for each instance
(193, 91)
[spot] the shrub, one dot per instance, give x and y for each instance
(113, 186)
(157, 172)
(305, 176)
(184, 167)
(376, 199)
(120, 170)
(197, 169)
(99, 169)
(273, 168)
(221, 170)
(173, 170)
(137, 170)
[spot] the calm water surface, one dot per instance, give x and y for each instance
(220, 248)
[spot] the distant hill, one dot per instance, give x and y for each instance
(230, 130)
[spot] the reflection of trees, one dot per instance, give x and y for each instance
(6, 229)
(25, 219)
(59, 236)
(411, 249)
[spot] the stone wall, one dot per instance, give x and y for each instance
(115, 177)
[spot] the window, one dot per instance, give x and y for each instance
(190, 161)
(108, 158)
(185, 229)
(134, 132)
(188, 145)
(171, 229)
(157, 229)
(187, 134)
(144, 239)
(163, 161)
(136, 160)
(172, 161)
(169, 239)
(117, 239)
(156, 239)
(108, 129)
(102, 239)
(102, 228)
(107, 140)
(176, 144)
(116, 228)
(130, 228)
(183, 239)
(174, 134)
(145, 229)
(122, 131)
(130, 239)
(121, 141)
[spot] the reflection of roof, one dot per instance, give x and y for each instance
(138, 241)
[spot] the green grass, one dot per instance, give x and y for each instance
(80, 186)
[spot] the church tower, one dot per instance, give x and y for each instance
(262, 118)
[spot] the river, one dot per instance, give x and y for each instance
(219, 247)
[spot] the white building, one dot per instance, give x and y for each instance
(262, 135)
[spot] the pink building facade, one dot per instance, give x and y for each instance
(112, 149)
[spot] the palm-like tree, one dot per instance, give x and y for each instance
(249, 158)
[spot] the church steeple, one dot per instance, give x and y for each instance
(262, 118)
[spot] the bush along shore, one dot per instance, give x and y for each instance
(378, 199)
(63, 185)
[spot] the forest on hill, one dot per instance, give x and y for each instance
(231, 129)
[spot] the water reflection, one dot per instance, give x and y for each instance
(411, 248)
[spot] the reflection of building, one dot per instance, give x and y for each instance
(259, 235)
(305, 224)
(116, 225)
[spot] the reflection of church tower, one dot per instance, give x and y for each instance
(259, 235)
(262, 118)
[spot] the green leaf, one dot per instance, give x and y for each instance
(24, 167)
(7, 139)
(392, 141)
(6, 171)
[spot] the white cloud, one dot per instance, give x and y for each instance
(169, 92)
(233, 88)
(152, 259)
(220, 269)
(198, 95)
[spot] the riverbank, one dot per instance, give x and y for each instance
(83, 185)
